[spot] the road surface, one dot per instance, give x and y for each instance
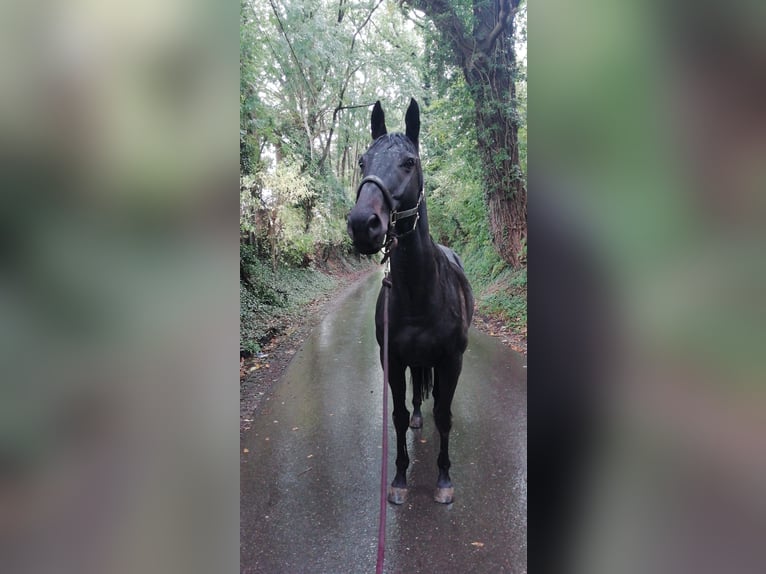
(310, 477)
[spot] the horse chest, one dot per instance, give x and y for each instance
(419, 346)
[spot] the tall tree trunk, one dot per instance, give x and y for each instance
(486, 57)
(352, 164)
(342, 175)
(494, 93)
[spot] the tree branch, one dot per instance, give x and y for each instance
(363, 24)
(290, 45)
(507, 10)
(409, 17)
(348, 75)
(339, 108)
(446, 20)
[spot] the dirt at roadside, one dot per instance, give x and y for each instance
(502, 331)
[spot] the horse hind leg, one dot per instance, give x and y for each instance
(417, 374)
(446, 380)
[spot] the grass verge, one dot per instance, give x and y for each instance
(500, 291)
(269, 301)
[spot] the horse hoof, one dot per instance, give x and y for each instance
(444, 495)
(416, 421)
(397, 495)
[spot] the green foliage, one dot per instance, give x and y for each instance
(288, 185)
(285, 197)
(275, 301)
(298, 63)
(506, 296)
(298, 250)
(257, 274)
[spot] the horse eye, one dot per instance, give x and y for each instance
(409, 162)
(361, 163)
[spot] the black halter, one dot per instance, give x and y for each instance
(389, 199)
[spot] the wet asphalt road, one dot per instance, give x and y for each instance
(310, 482)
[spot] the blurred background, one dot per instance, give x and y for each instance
(118, 298)
(650, 157)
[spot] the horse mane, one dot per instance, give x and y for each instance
(393, 140)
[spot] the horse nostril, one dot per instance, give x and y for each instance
(373, 223)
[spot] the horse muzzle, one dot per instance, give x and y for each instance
(367, 230)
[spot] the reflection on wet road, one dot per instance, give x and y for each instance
(310, 481)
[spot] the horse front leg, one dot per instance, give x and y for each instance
(397, 492)
(446, 380)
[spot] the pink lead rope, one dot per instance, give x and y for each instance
(384, 460)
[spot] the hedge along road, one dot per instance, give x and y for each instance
(310, 470)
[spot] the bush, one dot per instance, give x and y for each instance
(271, 305)
(256, 277)
(506, 296)
(299, 251)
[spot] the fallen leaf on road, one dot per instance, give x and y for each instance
(477, 544)
(245, 450)
(310, 456)
(296, 428)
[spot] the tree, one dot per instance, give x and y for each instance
(309, 72)
(485, 55)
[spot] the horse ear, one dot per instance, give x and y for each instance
(412, 121)
(377, 121)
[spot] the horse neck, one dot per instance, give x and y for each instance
(413, 268)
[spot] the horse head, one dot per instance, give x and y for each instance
(390, 192)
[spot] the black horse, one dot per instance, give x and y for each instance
(431, 303)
